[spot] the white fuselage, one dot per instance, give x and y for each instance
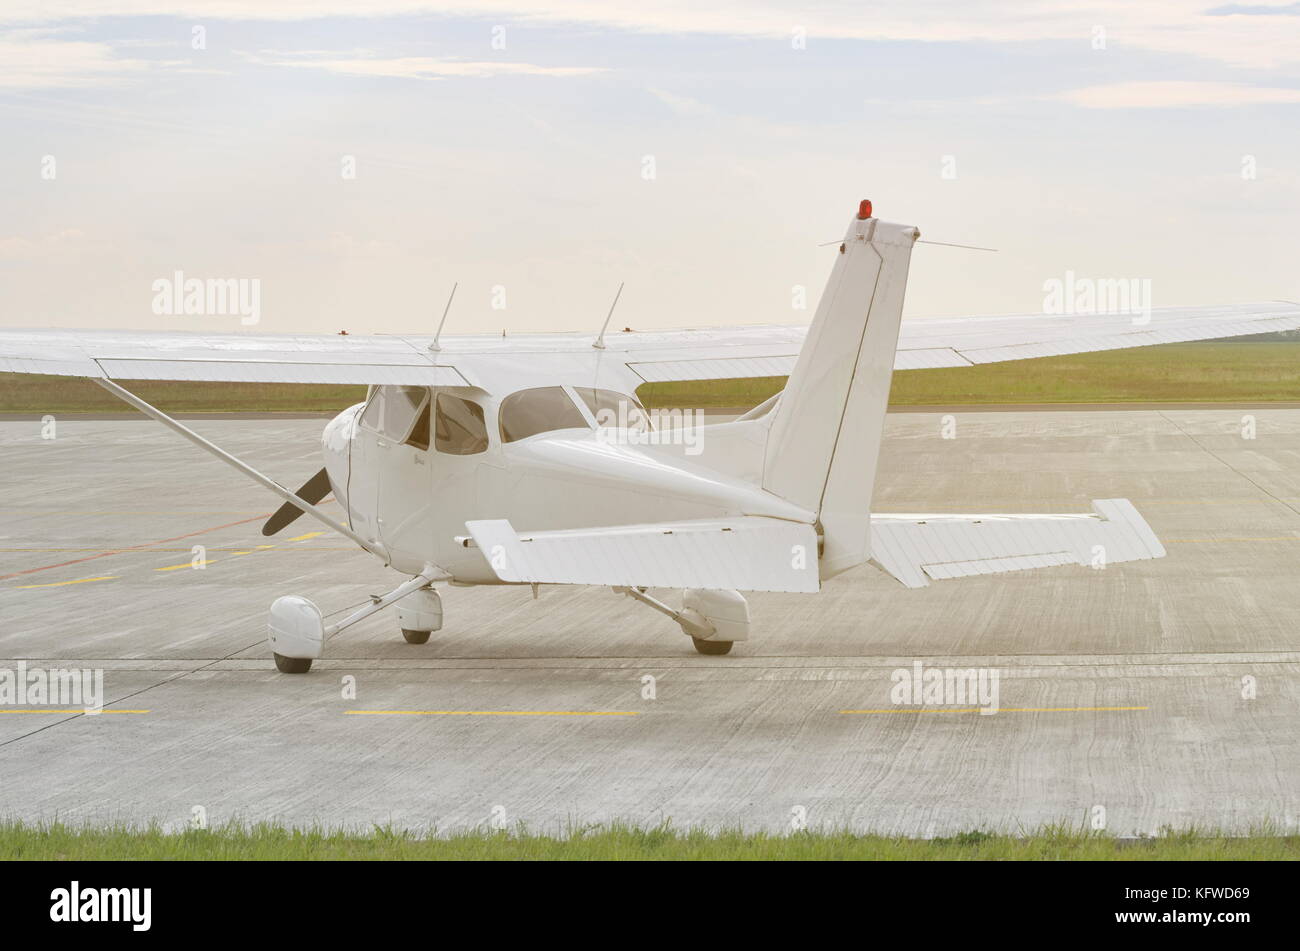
(415, 501)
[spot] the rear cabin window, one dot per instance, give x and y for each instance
(613, 410)
(459, 428)
(539, 410)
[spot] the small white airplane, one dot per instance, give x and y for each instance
(529, 460)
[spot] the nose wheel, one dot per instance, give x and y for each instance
(298, 631)
(292, 665)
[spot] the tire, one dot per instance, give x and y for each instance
(292, 665)
(712, 648)
(416, 637)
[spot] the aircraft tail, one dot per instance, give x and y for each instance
(824, 442)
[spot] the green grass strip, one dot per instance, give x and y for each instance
(57, 841)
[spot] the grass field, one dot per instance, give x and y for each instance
(29, 393)
(1183, 372)
(53, 842)
(1188, 372)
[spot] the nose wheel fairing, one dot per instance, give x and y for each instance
(297, 630)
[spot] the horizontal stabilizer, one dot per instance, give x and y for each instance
(916, 549)
(748, 553)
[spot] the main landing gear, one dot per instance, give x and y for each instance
(714, 619)
(420, 615)
(298, 630)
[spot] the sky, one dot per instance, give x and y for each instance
(355, 165)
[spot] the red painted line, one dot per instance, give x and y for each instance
(146, 545)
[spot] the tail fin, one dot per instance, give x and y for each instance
(824, 442)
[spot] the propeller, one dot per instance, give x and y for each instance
(313, 490)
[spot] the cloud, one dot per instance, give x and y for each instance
(682, 105)
(1169, 95)
(363, 63)
(22, 248)
(1256, 10)
(1169, 26)
(30, 61)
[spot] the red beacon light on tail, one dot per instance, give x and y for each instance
(864, 209)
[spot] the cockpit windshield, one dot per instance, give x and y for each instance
(539, 410)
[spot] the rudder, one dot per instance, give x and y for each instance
(824, 443)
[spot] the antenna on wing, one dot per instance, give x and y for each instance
(435, 346)
(599, 343)
(945, 244)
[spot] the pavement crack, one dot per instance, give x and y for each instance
(135, 693)
(1229, 466)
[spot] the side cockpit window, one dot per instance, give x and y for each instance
(419, 437)
(613, 410)
(459, 428)
(539, 410)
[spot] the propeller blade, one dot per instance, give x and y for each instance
(313, 490)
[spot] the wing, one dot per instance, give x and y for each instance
(916, 549)
(245, 358)
(748, 553)
(951, 341)
(965, 341)
(721, 353)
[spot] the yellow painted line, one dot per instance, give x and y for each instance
(1200, 502)
(1000, 710)
(1211, 541)
(1210, 501)
(60, 584)
(188, 564)
(303, 538)
(492, 713)
(73, 710)
(248, 552)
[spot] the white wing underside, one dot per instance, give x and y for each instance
(723, 353)
(747, 553)
(916, 549)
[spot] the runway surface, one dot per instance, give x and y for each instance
(96, 535)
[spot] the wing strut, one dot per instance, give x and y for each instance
(152, 411)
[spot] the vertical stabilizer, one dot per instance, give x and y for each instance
(824, 443)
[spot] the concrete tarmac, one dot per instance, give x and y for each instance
(1165, 692)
